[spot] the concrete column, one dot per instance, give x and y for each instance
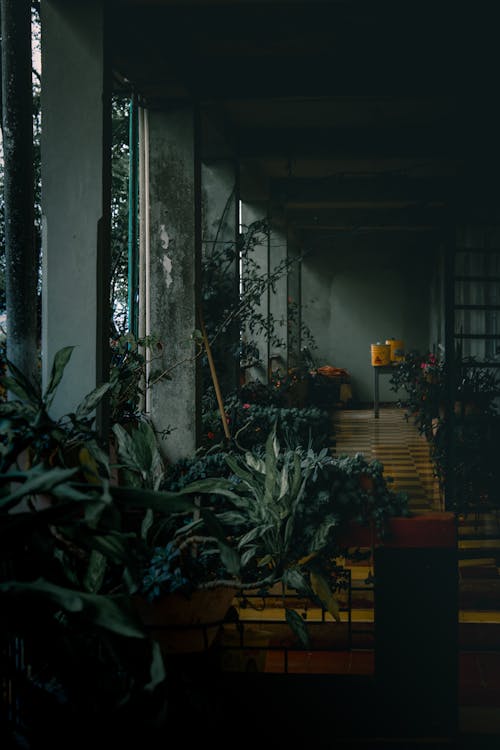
(220, 227)
(252, 212)
(75, 196)
(294, 343)
(172, 271)
(278, 312)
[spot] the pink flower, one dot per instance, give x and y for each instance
(246, 406)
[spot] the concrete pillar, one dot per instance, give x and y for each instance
(250, 213)
(278, 312)
(173, 252)
(294, 343)
(75, 196)
(220, 227)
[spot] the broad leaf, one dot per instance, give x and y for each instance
(92, 400)
(298, 626)
(15, 387)
(31, 390)
(163, 501)
(114, 613)
(320, 586)
(96, 570)
(294, 579)
(61, 359)
(37, 481)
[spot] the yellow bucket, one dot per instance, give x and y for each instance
(397, 345)
(381, 354)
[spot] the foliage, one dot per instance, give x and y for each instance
(250, 424)
(74, 549)
(292, 505)
(30, 435)
(131, 357)
(224, 311)
(119, 213)
(421, 379)
(460, 435)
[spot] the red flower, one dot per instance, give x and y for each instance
(246, 406)
(210, 435)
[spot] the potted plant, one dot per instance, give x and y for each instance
(294, 506)
(73, 567)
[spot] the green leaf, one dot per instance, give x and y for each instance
(160, 500)
(37, 481)
(213, 486)
(31, 390)
(61, 359)
(114, 613)
(96, 570)
(320, 586)
(238, 470)
(232, 518)
(126, 449)
(298, 626)
(14, 386)
(230, 558)
(295, 579)
(91, 400)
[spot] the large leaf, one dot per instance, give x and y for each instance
(114, 613)
(298, 626)
(14, 386)
(240, 472)
(114, 545)
(160, 500)
(37, 481)
(61, 359)
(96, 570)
(321, 538)
(214, 486)
(92, 400)
(270, 466)
(31, 391)
(320, 586)
(295, 579)
(127, 449)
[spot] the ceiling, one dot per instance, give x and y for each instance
(367, 116)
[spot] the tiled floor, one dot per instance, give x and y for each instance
(396, 443)
(405, 455)
(406, 459)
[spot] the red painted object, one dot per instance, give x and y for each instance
(438, 529)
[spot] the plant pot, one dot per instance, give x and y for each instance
(186, 624)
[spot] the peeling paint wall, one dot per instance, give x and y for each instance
(173, 278)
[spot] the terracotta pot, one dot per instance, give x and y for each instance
(186, 624)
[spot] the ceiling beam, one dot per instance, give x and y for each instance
(358, 142)
(344, 192)
(375, 218)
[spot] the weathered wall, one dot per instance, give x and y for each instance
(362, 290)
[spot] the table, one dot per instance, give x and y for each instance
(379, 370)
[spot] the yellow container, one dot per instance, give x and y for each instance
(381, 354)
(397, 345)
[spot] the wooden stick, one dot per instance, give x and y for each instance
(215, 379)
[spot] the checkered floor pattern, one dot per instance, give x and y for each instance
(397, 444)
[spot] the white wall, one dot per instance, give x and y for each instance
(362, 289)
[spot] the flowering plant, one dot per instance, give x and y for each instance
(420, 383)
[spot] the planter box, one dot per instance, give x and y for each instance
(426, 530)
(186, 624)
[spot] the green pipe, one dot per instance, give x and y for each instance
(133, 198)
